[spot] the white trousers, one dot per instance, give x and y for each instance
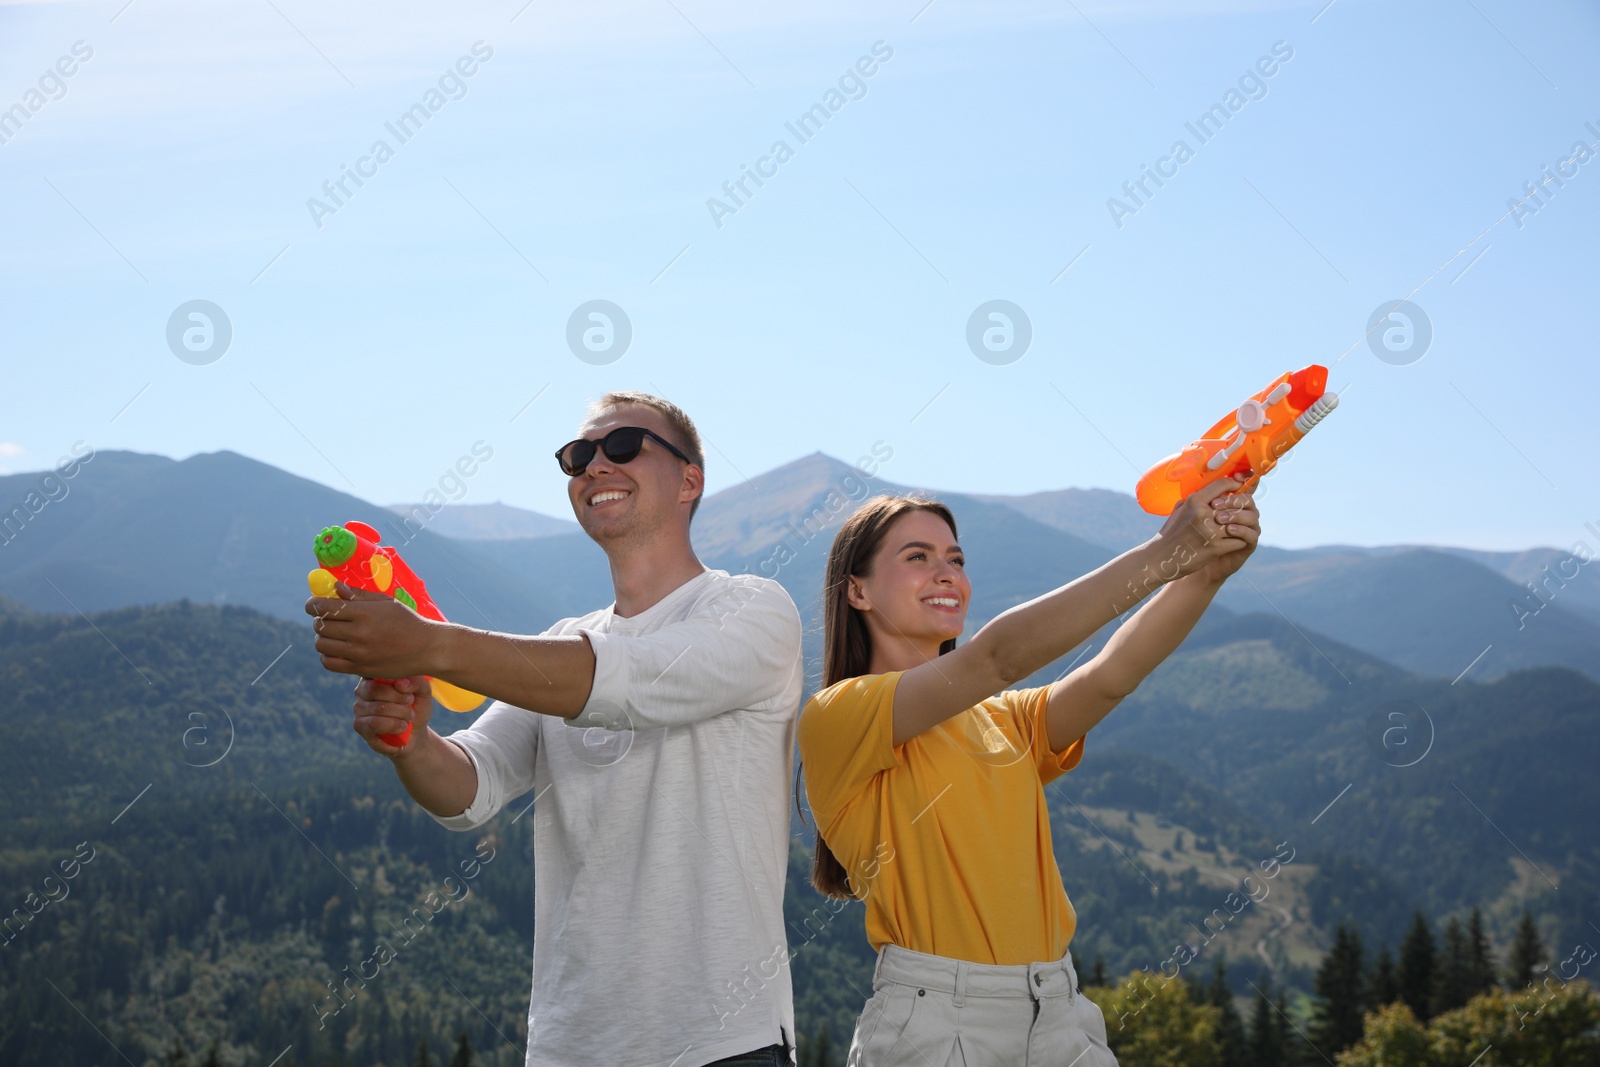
(930, 1011)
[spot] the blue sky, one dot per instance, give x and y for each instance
(830, 310)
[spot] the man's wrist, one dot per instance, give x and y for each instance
(420, 739)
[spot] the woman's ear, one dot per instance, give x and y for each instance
(855, 596)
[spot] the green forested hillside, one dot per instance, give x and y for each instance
(233, 847)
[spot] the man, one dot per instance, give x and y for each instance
(657, 735)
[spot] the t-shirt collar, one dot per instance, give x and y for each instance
(615, 622)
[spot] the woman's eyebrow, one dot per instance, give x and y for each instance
(926, 545)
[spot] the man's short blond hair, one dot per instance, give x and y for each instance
(682, 431)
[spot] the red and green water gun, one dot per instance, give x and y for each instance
(351, 554)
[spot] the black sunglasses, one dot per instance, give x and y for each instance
(621, 445)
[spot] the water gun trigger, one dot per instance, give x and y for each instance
(1251, 481)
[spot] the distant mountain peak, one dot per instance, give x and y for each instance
(485, 522)
(1100, 516)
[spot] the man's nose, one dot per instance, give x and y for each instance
(599, 465)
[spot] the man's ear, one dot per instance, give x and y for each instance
(695, 479)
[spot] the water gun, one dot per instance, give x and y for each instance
(1249, 439)
(351, 554)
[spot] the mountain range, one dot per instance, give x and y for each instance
(222, 528)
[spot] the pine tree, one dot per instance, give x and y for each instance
(424, 1059)
(1481, 972)
(1097, 973)
(1341, 994)
(213, 1057)
(1527, 954)
(463, 1056)
(1232, 1046)
(1283, 1027)
(816, 1050)
(1383, 988)
(1416, 968)
(1268, 1048)
(825, 1056)
(1452, 971)
(179, 1056)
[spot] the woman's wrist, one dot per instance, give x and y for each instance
(1202, 581)
(1155, 566)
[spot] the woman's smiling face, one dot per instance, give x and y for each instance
(918, 590)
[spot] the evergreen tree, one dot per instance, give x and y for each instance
(463, 1056)
(824, 1054)
(1341, 994)
(1452, 970)
(1285, 1035)
(1416, 968)
(179, 1056)
(816, 1050)
(1268, 1046)
(1481, 971)
(213, 1057)
(424, 1059)
(1383, 988)
(1232, 1046)
(1527, 954)
(1097, 973)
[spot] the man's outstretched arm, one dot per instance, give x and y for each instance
(376, 637)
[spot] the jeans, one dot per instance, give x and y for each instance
(771, 1056)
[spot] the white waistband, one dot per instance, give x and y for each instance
(966, 979)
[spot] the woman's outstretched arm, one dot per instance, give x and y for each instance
(1087, 695)
(1023, 639)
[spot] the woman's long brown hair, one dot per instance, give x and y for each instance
(846, 642)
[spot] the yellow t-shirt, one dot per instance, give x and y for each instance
(947, 837)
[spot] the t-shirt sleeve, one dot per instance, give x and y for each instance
(1029, 707)
(503, 745)
(739, 650)
(845, 737)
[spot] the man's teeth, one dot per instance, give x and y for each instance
(601, 498)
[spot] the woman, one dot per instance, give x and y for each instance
(925, 772)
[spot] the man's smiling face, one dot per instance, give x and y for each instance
(631, 501)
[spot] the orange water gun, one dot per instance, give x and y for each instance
(351, 554)
(1249, 439)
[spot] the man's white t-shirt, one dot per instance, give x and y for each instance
(661, 830)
